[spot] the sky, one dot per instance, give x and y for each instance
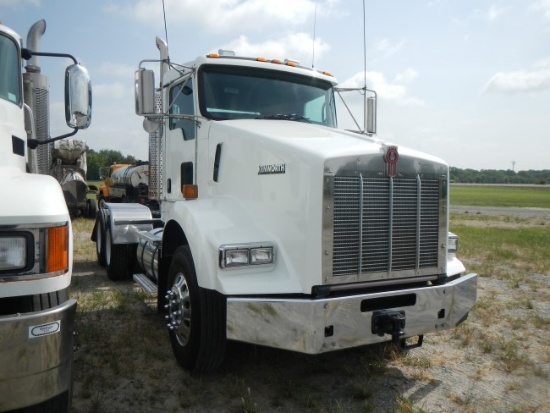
(465, 80)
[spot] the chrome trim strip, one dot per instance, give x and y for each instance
(31, 226)
(361, 202)
(418, 218)
(390, 237)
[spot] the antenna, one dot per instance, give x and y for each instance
(165, 27)
(314, 27)
(364, 48)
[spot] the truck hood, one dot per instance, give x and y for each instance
(30, 198)
(317, 140)
(274, 181)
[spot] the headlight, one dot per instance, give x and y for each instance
(452, 243)
(234, 258)
(238, 255)
(261, 255)
(14, 251)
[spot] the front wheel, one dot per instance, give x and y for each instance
(196, 317)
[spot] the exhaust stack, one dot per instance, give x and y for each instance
(36, 95)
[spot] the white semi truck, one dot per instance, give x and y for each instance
(36, 313)
(276, 227)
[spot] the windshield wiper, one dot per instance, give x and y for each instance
(289, 116)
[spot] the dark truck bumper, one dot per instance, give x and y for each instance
(36, 353)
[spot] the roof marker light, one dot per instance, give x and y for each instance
(293, 63)
(276, 61)
(225, 52)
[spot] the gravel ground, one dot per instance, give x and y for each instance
(497, 361)
(518, 212)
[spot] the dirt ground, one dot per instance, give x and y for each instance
(497, 361)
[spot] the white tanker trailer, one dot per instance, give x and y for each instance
(125, 183)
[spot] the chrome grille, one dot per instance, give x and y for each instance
(384, 224)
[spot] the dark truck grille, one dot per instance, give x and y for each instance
(384, 225)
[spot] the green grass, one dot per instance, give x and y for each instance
(498, 196)
(497, 247)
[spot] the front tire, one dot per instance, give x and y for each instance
(196, 317)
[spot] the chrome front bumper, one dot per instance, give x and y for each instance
(318, 326)
(36, 353)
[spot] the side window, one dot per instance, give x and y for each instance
(181, 103)
(10, 75)
(315, 109)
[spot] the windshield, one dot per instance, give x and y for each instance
(10, 75)
(234, 92)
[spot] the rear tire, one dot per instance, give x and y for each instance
(91, 208)
(196, 317)
(117, 258)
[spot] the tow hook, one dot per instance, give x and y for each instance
(393, 323)
(389, 322)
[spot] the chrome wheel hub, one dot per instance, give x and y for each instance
(178, 305)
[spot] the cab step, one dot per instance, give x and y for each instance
(145, 282)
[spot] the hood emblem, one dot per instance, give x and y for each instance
(391, 157)
(272, 169)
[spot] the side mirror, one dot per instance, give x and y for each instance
(78, 97)
(370, 115)
(144, 83)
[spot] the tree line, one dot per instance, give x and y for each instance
(493, 176)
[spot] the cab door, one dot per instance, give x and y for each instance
(181, 139)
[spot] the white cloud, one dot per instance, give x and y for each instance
(407, 76)
(113, 91)
(117, 70)
(541, 6)
(543, 64)
(296, 46)
(384, 89)
(521, 81)
(387, 48)
(226, 15)
(495, 12)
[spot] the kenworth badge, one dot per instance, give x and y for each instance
(272, 169)
(391, 157)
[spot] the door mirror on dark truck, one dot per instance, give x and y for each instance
(78, 97)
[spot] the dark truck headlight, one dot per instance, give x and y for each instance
(16, 252)
(31, 252)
